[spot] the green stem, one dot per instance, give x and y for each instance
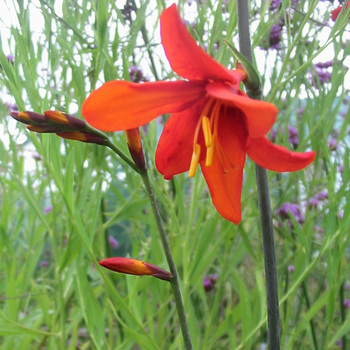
(264, 202)
(174, 281)
(108, 249)
(342, 311)
(122, 155)
(308, 305)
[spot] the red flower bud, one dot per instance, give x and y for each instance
(135, 147)
(134, 267)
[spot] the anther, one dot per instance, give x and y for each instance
(195, 160)
(207, 131)
(209, 155)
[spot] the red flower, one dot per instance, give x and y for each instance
(336, 12)
(213, 123)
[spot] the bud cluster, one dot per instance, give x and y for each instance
(62, 124)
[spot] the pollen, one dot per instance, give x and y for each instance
(209, 155)
(207, 132)
(208, 125)
(195, 160)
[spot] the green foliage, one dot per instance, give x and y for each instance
(53, 293)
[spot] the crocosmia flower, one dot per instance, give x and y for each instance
(213, 123)
(335, 13)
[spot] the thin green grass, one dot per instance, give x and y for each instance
(53, 293)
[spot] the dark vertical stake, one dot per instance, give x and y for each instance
(264, 201)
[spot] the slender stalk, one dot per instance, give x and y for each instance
(264, 202)
(126, 159)
(342, 311)
(174, 281)
(308, 304)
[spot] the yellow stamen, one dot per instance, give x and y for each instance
(207, 131)
(209, 155)
(195, 160)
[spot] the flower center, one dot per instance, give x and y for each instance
(208, 123)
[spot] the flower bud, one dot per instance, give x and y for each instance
(134, 267)
(65, 119)
(135, 147)
(82, 136)
(27, 117)
(62, 124)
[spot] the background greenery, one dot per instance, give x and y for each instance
(62, 200)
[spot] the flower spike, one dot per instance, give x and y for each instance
(62, 124)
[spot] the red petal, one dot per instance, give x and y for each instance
(186, 58)
(175, 146)
(260, 115)
(335, 13)
(121, 105)
(277, 158)
(226, 186)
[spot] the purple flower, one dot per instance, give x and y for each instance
(113, 242)
(313, 203)
(300, 110)
(323, 75)
(213, 278)
(275, 4)
(293, 136)
(207, 284)
(291, 268)
(44, 263)
(347, 303)
(290, 209)
(318, 197)
(10, 59)
(136, 74)
(322, 195)
(128, 11)
(48, 209)
(324, 65)
(36, 156)
(275, 36)
(333, 144)
(318, 229)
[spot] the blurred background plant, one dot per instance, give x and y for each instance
(66, 204)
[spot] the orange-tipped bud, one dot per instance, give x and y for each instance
(30, 118)
(134, 267)
(58, 117)
(133, 139)
(82, 136)
(62, 124)
(44, 128)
